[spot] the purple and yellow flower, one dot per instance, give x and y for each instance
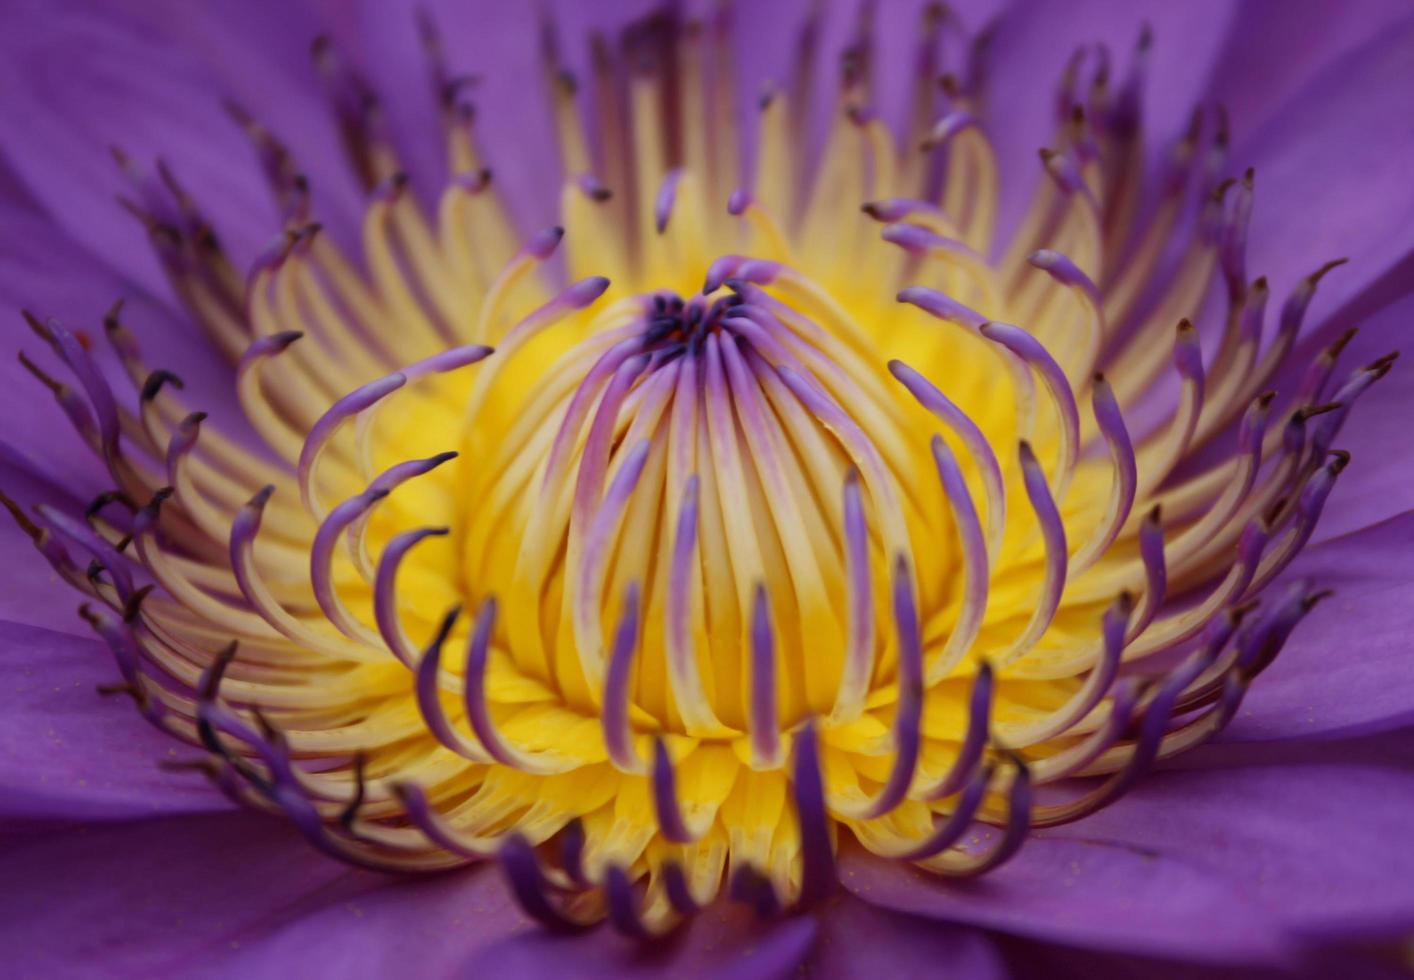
(802, 552)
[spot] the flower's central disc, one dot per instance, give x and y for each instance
(673, 489)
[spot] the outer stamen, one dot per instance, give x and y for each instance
(958, 864)
(977, 445)
(321, 551)
(527, 881)
(908, 713)
(1188, 360)
(1126, 476)
(422, 813)
(352, 404)
(671, 821)
(817, 876)
(950, 831)
(478, 712)
(1054, 535)
(1026, 347)
(975, 564)
(974, 741)
(1113, 630)
(385, 608)
(428, 690)
(1082, 755)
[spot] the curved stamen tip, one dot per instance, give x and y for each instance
(1061, 268)
(523, 874)
(1320, 273)
(211, 678)
(275, 343)
(817, 854)
(391, 189)
(473, 182)
(593, 188)
(543, 244)
(157, 380)
(1028, 455)
(946, 128)
(941, 305)
(739, 201)
(879, 210)
(585, 292)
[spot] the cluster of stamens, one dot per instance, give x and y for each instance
(802, 511)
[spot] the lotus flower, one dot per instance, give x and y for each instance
(702, 495)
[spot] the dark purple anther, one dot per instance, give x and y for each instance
(817, 856)
(950, 831)
(623, 907)
(592, 188)
(543, 243)
(762, 724)
(618, 736)
(679, 892)
(522, 870)
(665, 797)
(750, 887)
(427, 687)
(478, 715)
(908, 715)
(974, 741)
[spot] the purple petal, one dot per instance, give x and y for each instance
(723, 941)
(31, 592)
(1252, 859)
(67, 752)
(233, 895)
(858, 940)
(1253, 78)
(1330, 182)
(1316, 847)
(1080, 892)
